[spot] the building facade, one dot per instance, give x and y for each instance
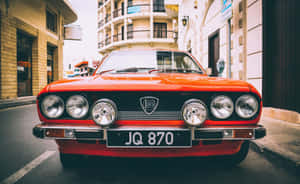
(125, 24)
(257, 42)
(31, 44)
(84, 69)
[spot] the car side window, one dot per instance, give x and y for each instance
(184, 61)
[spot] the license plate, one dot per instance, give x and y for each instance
(152, 138)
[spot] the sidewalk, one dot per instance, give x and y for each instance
(17, 101)
(282, 142)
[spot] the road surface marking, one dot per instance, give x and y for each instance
(17, 107)
(27, 168)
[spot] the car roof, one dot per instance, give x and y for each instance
(170, 50)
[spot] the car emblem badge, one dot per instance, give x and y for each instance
(149, 104)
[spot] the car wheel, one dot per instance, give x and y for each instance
(237, 158)
(68, 160)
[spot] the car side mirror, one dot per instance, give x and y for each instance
(208, 71)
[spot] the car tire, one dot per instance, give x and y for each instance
(233, 160)
(68, 160)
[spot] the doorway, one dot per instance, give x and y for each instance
(50, 63)
(281, 55)
(24, 64)
(213, 52)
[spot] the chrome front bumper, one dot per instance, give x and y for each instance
(97, 133)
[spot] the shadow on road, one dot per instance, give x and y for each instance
(148, 169)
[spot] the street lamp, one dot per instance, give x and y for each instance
(185, 20)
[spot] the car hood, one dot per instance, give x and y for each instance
(149, 82)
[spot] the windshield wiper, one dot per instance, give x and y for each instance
(180, 70)
(133, 69)
(102, 72)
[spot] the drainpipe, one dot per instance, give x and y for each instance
(229, 48)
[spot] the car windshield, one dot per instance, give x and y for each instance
(149, 61)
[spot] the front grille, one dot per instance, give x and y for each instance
(157, 115)
(169, 108)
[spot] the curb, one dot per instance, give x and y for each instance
(275, 157)
(13, 103)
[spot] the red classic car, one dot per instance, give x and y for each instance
(150, 103)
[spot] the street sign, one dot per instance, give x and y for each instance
(220, 66)
(226, 9)
(73, 32)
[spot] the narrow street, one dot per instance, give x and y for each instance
(19, 148)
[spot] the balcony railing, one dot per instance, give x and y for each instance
(138, 35)
(118, 37)
(107, 18)
(107, 40)
(100, 23)
(101, 44)
(132, 9)
(118, 12)
(138, 8)
(164, 34)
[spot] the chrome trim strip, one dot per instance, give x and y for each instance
(148, 129)
(157, 128)
(77, 128)
(156, 115)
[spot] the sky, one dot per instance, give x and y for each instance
(86, 49)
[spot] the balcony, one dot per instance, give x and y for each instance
(100, 23)
(138, 8)
(118, 12)
(107, 18)
(133, 10)
(165, 34)
(138, 36)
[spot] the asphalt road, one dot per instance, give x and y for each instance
(25, 159)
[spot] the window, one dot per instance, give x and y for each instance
(100, 4)
(122, 32)
(51, 21)
(24, 64)
(129, 3)
(160, 30)
(159, 6)
(50, 61)
(130, 31)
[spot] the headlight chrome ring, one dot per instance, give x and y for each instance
(77, 106)
(194, 112)
(52, 106)
(104, 112)
(246, 106)
(222, 107)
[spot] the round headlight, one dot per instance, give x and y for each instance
(221, 107)
(77, 106)
(52, 106)
(246, 106)
(194, 112)
(104, 112)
